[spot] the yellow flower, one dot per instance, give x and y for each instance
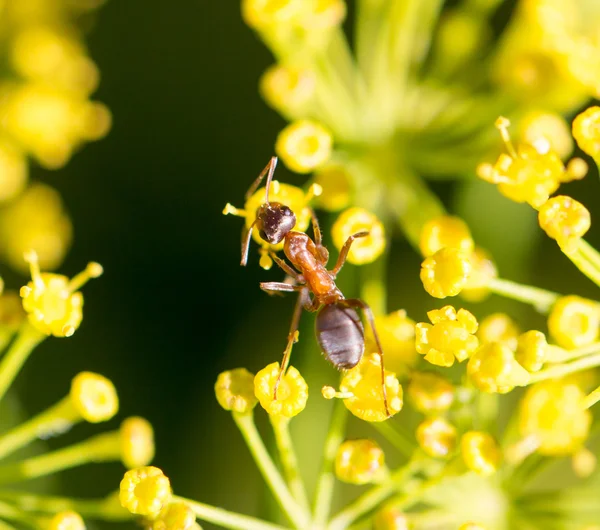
(235, 390)
(450, 335)
(483, 269)
(175, 516)
(13, 170)
(304, 145)
(498, 327)
(430, 392)
(292, 392)
(493, 368)
(94, 397)
(362, 386)
(445, 231)
(145, 491)
(137, 442)
(546, 130)
(261, 13)
(472, 526)
(68, 520)
(364, 249)
(446, 272)
(565, 220)
(390, 518)
(52, 301)
(35, 220)
(359, 462)
(574, 322)
(552, 412)
(437, 437)
(337, 188)
(396, 333)
(480, 452)
(287, 88)
(532, 350)
(586, 131)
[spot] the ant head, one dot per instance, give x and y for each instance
(273, 221)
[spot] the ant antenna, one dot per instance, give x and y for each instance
(269, 171)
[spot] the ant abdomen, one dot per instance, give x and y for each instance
(340, 334)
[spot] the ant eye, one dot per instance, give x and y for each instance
(263, 235)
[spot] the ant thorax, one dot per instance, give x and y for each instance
(274, 221)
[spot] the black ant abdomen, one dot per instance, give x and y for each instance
(340, 333)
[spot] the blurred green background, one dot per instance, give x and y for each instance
(174, 308)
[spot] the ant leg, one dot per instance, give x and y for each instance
(280, 287)
(344, 252)
(322, 252)
(269, 169)
(356, 302)
(286, 268)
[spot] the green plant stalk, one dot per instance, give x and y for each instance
(541, 299)
(297, 516)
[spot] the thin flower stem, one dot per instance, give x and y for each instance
(560, 355)
(541, 299)
(54, 420)
(398, 439)
(8, 511)
(27, 339)
(561, 370)
(273, 478)
(326, 480)
(104, 447)
(591, 399)
(590, 253)
(589, 267)
(371, 498)
(289, 460)
(106, 509)
(227, 519)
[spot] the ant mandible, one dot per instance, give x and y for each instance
(338, 328)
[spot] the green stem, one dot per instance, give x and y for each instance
(398, 439)
(297, 516)
(106, 509)
(585, 259)
(101, 448)
(555, 372)
(326, 480)
(371, 499)
(27, 339)
(227, 519)
(289, 460)
(541, 299)
(55, 420)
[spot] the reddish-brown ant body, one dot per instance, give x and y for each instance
(338, 328)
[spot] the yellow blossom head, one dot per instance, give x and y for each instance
(552, 412)
(364, 249)
(359, 461)
(390, 518)
(12, 313)
(586, 131)
(493, 368)
(446, 272)
(430, 392)
(52, 301)
(437, 437)
(323, 14)
(498, 327)
(472, 526)
(396, 332)
(445, 231)
(483, 269)
(287, 88)
(480, 452)
(451, 335)
(532, 350)
(235, 390)
(362, 391)
(292, 392)
(337, 188)
(260, 14)
(67, 520)
(145, 491)
(13, 170)
(546, 130)
(175, 516)
(137, 442)
(36, 219)
(94, 397)
(525, 174)
(574, 322)
(304, 145)
(565, 220)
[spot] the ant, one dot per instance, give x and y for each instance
(338, 328)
